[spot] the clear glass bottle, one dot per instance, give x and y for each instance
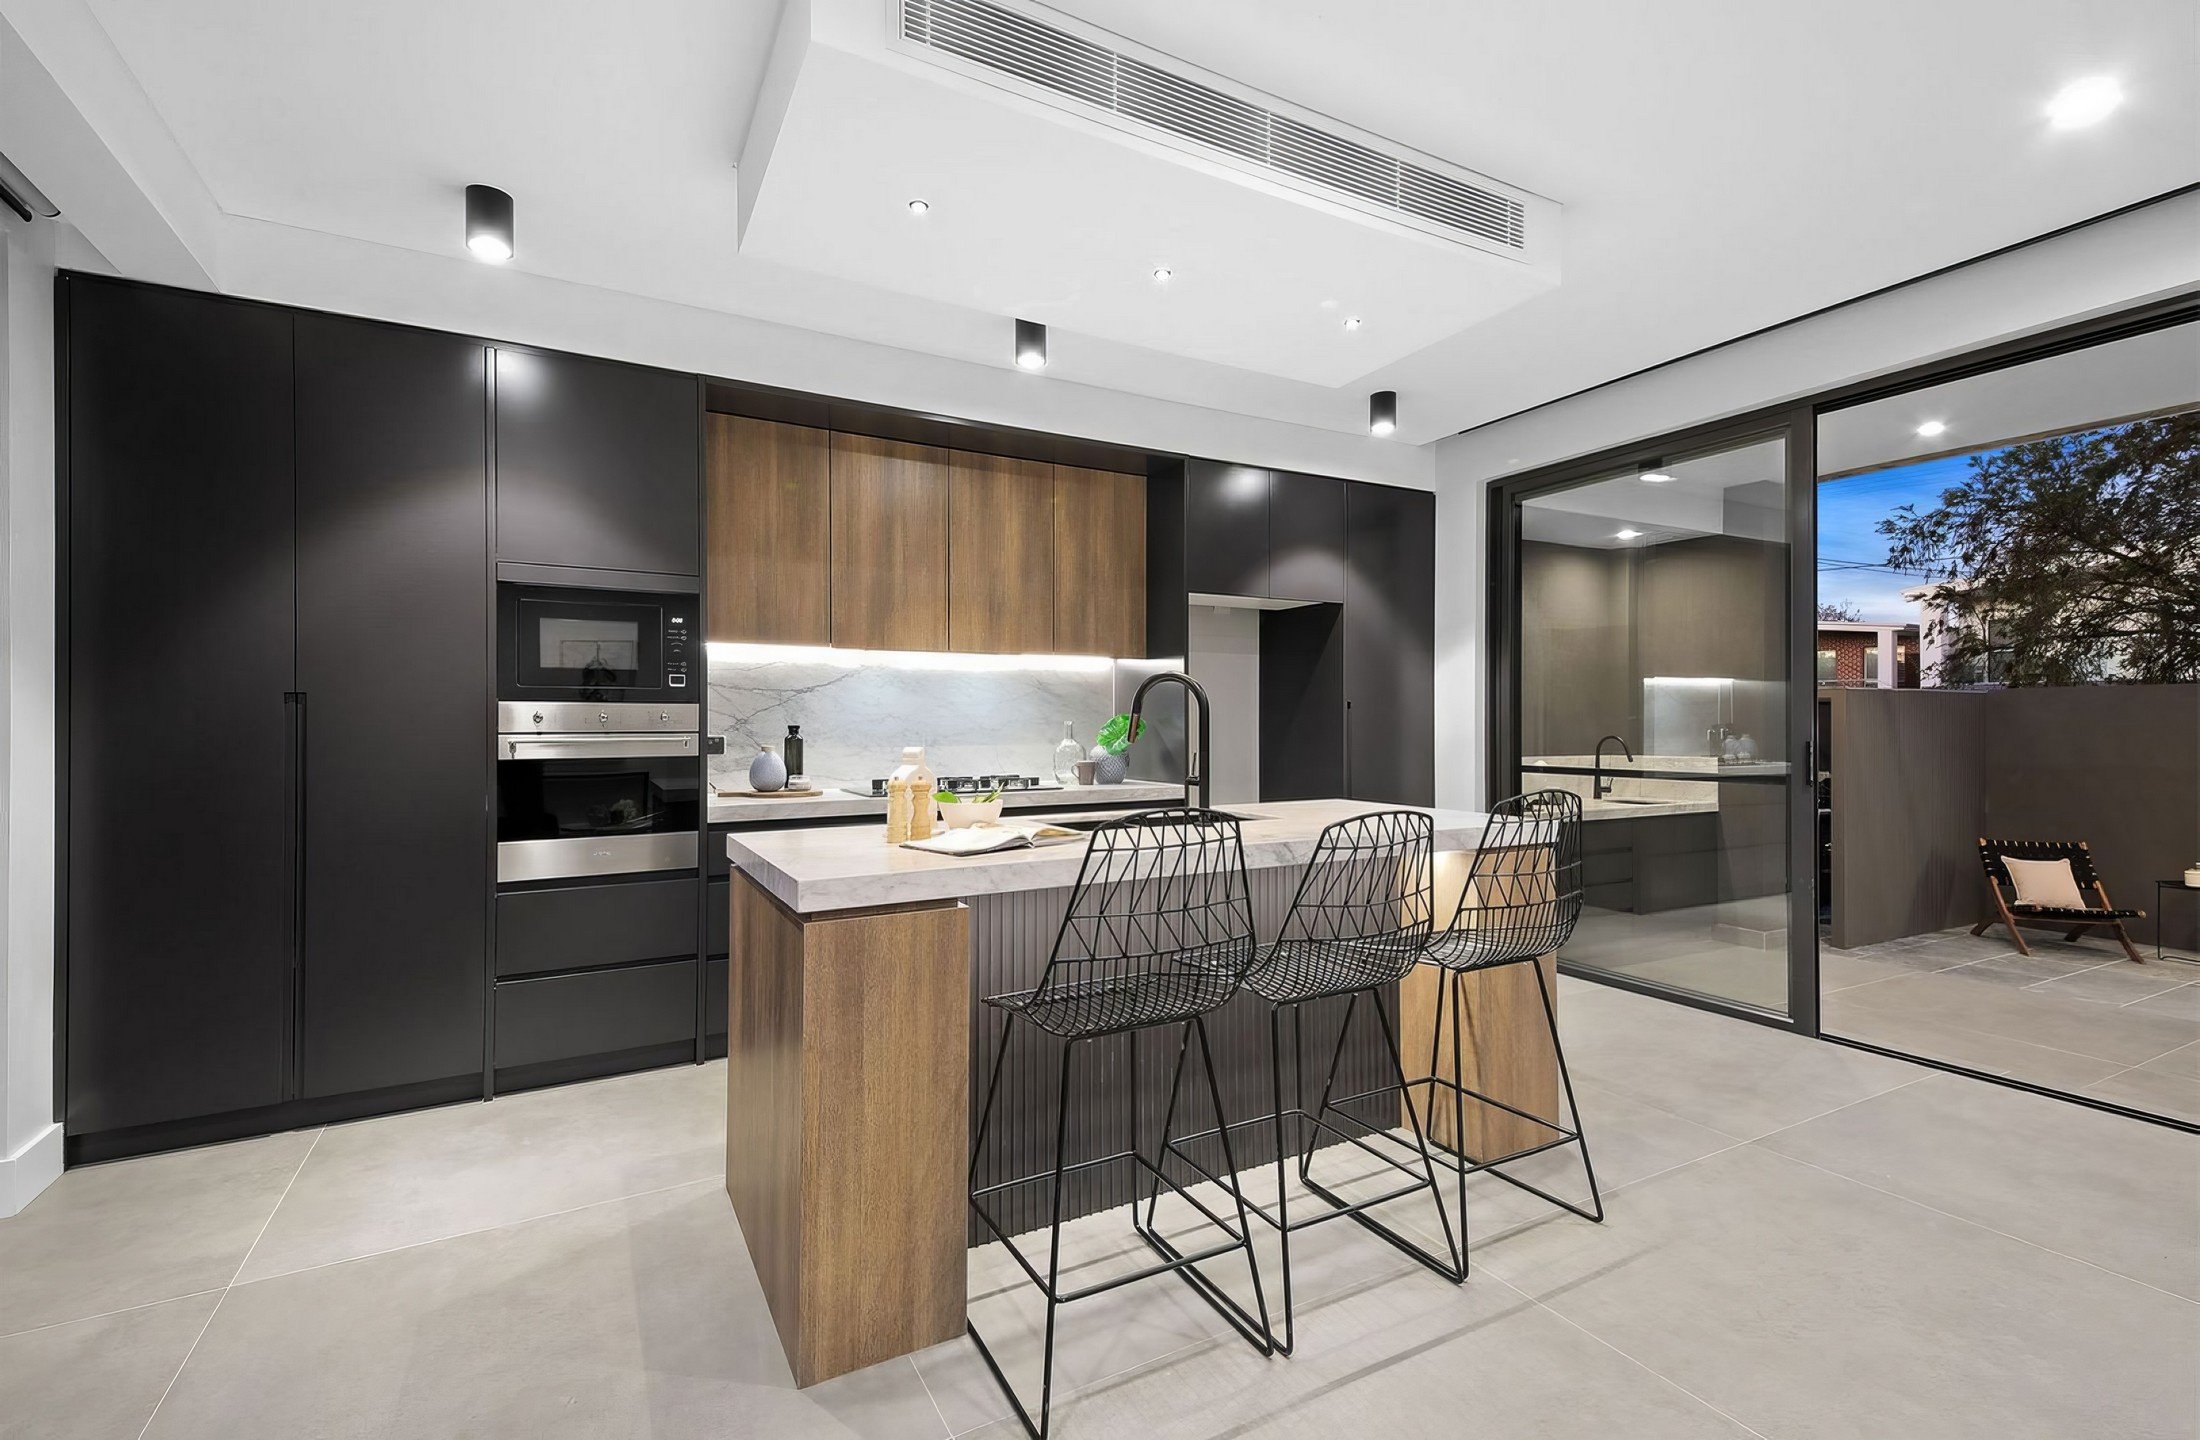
(1067, 754)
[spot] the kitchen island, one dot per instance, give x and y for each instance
(856, 1028)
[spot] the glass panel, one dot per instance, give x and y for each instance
(1653, 682)
(2029, 536)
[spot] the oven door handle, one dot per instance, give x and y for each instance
(556, 747)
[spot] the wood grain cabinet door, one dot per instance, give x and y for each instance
(769, 531)
(889, 547)
(1000, 550)
(1099, 562)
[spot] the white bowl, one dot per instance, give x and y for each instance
(964, 813)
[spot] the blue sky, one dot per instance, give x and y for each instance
(1852, 554)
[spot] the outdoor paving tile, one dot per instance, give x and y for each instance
(1952, 1044)
(2183, 1002)
(634, 1317)
(2155, 1091)
(2122, 983)
(96, 1379)
(1810, 1307)
(404, 1179)
(109, 1237)
(1847, 969)
(2123, 1194)
(2105, 1032)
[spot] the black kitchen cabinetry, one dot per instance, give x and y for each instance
(598, 464)
(1306, 528)
(276, 640)
(1225, 529)
(1263, 534)
(393, 654)
(180, 736)
(1390, 645)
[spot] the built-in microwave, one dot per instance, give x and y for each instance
(559, 643)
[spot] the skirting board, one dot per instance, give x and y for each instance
(35, 1164)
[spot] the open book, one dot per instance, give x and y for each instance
(994, 838)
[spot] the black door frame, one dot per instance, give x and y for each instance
(1797, 421)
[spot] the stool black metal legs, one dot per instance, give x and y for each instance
(1252, 1325)
(1451, 998)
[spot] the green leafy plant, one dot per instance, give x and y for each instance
(949, 797)
(1116, 736)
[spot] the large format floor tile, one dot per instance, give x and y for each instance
(2123, 1194)
(2153, 1089)
(632, 1318)
(404, 1179)
(1954, 1045)
(1742, 1079)
(1806, 1305)
(2126, 1035)
(96, 1379)
(108, 1237)
(1418, 1363)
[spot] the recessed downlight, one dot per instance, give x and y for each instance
(2084, 102)
(1352, 323)
(1653, 472)
(1161, 274)
(920, 208)
(1629, 534)
(1933, 427)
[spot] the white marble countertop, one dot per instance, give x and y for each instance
(1710, 767)
(837, 803)
(849, 867)
(1594, 810)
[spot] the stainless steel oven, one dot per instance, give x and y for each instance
(597, 788)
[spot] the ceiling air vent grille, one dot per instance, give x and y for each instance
(1051, 58)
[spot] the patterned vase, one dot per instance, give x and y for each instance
(1109, 769)
(767, 771)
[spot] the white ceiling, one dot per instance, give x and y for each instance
(1723, 165)
(1693, 502)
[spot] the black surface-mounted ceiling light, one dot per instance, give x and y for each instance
(1031, 345)
(489, 223)
(20, 195)
(1382, 412)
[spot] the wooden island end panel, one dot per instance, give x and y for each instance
(847, 1148)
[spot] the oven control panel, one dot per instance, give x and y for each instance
(677, 646)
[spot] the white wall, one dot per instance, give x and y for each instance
(1225, 659)
(30, 1141)
(2104, 267)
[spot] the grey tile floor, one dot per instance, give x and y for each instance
(1804, 1241)
(2073, 1015)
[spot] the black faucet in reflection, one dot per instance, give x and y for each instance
(1603, 785)
(1195, 765)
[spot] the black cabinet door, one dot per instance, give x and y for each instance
(1306, 523)
(179, 628)
(393, 661)
(1225, 529)
(597, 464)
(1390, 644)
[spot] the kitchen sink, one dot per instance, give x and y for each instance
(1095, 822)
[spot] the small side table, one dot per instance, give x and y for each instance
(2161, 888)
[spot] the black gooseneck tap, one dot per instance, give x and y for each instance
(1603, 786)
(1195, 765)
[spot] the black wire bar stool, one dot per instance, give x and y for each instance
(1357, 924)
(1159, 932)
(1522, 898)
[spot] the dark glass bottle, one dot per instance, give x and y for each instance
(793, 752)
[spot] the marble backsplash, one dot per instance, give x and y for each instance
(973, 716)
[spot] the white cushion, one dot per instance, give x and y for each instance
(2047, 884)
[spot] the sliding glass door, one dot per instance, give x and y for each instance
(1650, 672)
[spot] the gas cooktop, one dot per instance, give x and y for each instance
(971, 785)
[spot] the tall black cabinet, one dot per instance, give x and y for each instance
(393, 650)
(181, 729)
(1390, 645)
(276, 639)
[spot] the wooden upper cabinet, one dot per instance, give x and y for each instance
(1099, 562)
(770, 531)
(1000, 548)
(889, 547)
